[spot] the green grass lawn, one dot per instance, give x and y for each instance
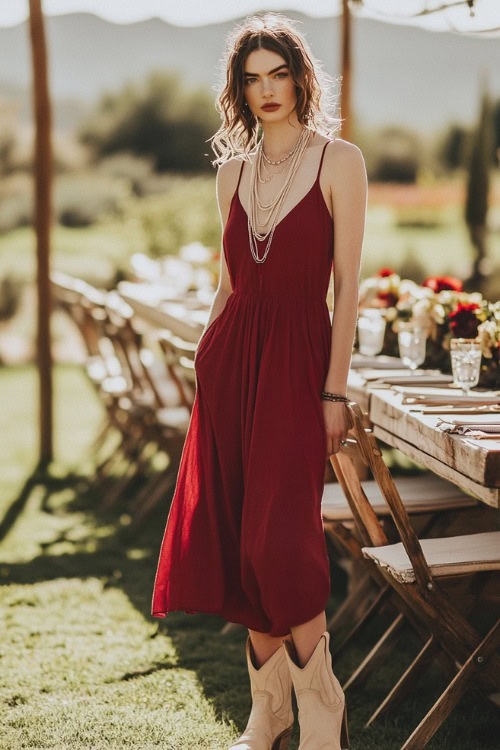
(83, 663)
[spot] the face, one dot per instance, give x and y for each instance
(268, 81)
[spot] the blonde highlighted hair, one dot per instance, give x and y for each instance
(316, 100)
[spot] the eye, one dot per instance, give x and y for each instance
(282, 73)
(249, 80)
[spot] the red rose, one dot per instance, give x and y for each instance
(463, 321)
(385, 272)
(439, 283)
(387, 298)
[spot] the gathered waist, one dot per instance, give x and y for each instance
(280, 297)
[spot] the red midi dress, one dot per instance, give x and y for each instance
(244, 536)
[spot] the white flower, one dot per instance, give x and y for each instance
(447, 297)
(489, 335)
(469, 297)
(438, 313)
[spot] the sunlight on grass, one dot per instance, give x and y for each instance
(85, 666)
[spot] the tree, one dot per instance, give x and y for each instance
(476, 206)
(161, 119)
(451, 152)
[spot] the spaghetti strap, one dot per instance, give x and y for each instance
(239, 178)
(321, 160)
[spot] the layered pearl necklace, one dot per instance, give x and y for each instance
(274, 207)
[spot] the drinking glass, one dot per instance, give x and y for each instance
(371, 331)
(465, 363)
(411, 340)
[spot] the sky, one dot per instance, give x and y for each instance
(197, 12)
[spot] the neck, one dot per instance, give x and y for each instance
(280, 138)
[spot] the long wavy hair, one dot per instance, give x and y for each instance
(240, 129)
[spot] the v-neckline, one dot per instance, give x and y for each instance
(237, 193)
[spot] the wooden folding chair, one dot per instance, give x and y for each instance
(419, 574)
(426, 498)
(179, 363)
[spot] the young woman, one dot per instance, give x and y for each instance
(244, 536)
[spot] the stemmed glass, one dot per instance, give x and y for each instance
(371, 330)
(465, 363)
(411, 340)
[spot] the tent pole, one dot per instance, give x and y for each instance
(43, 179)
(345, 91)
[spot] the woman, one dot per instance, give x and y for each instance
(244, 536)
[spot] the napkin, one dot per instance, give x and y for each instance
(424, 379)
(471, 425)
(369, 374)
(377, 362)
(446, 396)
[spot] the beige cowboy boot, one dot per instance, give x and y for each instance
(320, 699)
(270, 723)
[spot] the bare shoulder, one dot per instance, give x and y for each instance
(227, 179)
(344, 161)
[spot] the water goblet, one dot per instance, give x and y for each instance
(411, 341)
(371, 331)
(465, 362)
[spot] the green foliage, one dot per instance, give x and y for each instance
(186, 211)
(451, 150)
(124, 165)
(398, 156)
(81, 197)
(159, 118)
(10, 295)
(479, 166)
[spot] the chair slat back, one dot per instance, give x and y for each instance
(179, 361)
(371, 528)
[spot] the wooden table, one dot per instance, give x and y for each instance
(473, 465)
(185, 318)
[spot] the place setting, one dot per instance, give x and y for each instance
(459, 409)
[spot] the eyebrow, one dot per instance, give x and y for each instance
(274, 70)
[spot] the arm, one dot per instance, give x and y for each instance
(349, 197)
(227, 178)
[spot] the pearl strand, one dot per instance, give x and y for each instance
(276, 204)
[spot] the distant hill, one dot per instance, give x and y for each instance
(402, 75)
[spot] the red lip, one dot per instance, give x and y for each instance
(271, 107)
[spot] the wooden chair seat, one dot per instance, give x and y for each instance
(444, 556)
(420, 494)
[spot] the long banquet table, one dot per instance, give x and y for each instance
(472, 464)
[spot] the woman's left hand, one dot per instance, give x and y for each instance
(336, 425)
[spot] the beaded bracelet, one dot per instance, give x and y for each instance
(327, 396)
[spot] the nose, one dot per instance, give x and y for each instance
(267, 88)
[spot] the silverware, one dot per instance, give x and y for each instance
(439, 410)
(491, 436)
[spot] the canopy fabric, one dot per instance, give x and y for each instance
(435, 15)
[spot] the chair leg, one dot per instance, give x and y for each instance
(377, 653)
(349, 608)
(447, 701)
(373, 609)
(161, 489)
(406, 682)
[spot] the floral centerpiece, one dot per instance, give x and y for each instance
(444, 310)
